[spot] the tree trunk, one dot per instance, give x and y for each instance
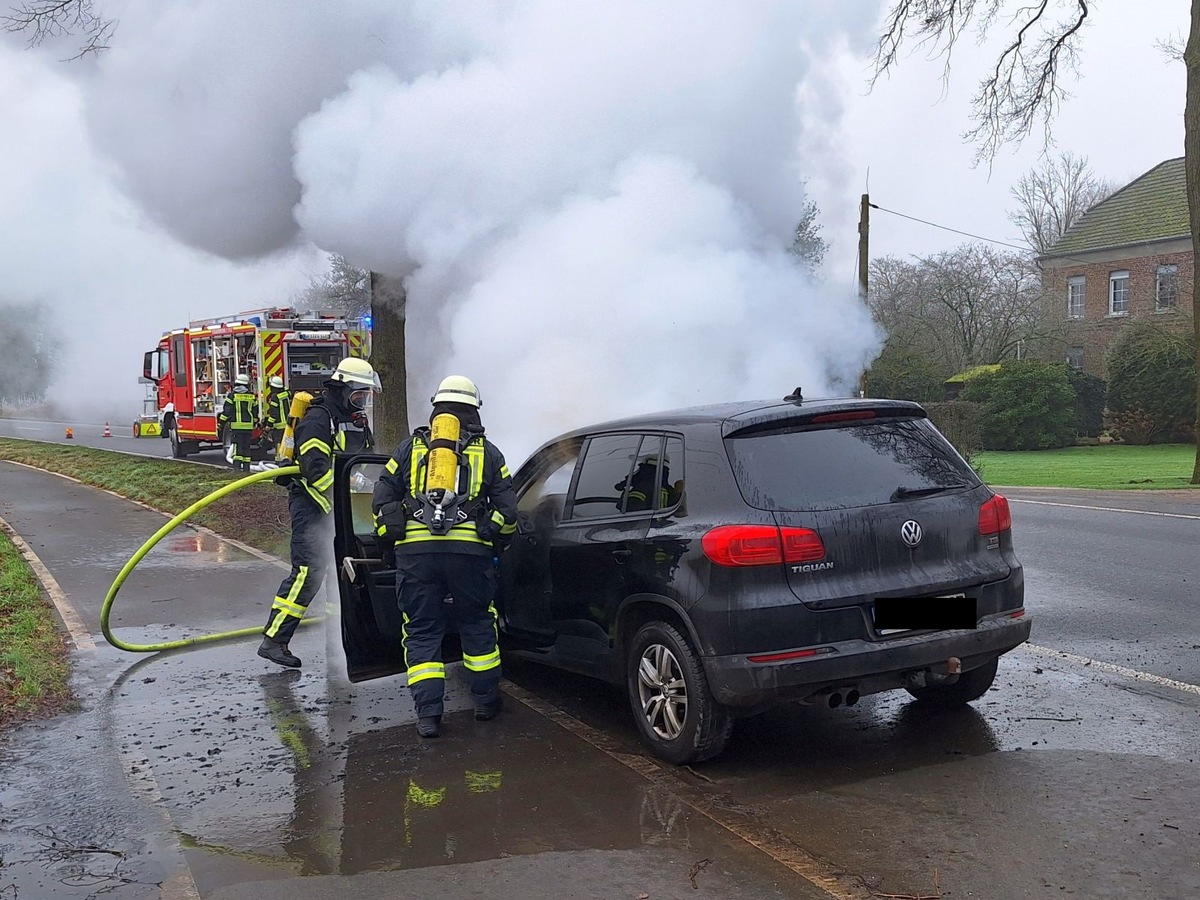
(1191, 162)
(387, 356)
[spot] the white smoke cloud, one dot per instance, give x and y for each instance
(591, 202)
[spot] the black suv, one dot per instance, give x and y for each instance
(718, 560)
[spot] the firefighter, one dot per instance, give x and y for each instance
(444, 545)
(335, 422)
(275, 409)
(240, 413)
(645, 482)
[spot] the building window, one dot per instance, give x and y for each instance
(1075, 357)
(1166, 288)
(1118, 293)
(1075, 289)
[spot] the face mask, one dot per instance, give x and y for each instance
(358, 399)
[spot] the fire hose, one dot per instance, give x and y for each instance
(177, 520)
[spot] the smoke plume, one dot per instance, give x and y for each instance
(591, 203)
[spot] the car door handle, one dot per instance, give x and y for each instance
(622, 554)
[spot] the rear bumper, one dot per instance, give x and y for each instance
(866, 666)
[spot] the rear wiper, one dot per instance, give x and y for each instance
(904, 493)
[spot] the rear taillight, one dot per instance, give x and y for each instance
(994, 516)
(761, 545)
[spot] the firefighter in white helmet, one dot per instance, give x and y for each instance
(335, 422)
(446, 504)
(276, 404)
(240, 414)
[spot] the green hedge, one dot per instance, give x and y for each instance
(1027, 405)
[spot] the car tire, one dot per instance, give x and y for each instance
(676, 713)
(970, 686)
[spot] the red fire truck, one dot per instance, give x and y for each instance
(194, 367)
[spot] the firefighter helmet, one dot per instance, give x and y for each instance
(457, 389)
(242, 381)
(275, 382)
(356, 373)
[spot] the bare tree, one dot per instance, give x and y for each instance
(1052, 197)
(808, 246)
(1023, 87)
(28, 346)
(964, 307)
(345, 288)
(43, 20)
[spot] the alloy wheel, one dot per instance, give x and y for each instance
(662, 691)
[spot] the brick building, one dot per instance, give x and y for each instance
(1129, 259)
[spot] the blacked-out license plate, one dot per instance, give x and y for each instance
(894, 614)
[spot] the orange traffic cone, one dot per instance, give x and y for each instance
(107, 431)
(69, 436)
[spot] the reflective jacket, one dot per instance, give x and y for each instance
(277, 407)
(324, 430)
(484, 484)
(240, 411)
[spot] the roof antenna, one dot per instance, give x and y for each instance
(794, 397)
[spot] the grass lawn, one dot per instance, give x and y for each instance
(256, 515)
(33, 664)
(1113, 466)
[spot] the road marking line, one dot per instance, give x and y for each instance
(1137, 512)
(79, 633)
(744, 825)
(1114, 669)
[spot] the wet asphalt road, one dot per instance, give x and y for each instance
(216, 775)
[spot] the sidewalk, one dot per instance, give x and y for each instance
(210, 773)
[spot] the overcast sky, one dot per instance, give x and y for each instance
(569, 195)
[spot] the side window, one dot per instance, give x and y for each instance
(545, 499)
(657, 479)
(180, 362)
(605, 476)
(672, 474)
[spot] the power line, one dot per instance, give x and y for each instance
(977, 237)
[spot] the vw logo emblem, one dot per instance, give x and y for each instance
(910, 532)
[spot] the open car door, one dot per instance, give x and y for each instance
(371, 620)
(366, 589)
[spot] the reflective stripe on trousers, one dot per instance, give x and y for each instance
(311, 552)
(423, 580)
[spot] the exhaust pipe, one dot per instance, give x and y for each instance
(835, 700)
(851, 698)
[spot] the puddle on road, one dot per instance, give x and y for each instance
(183, 548)
(269, 773)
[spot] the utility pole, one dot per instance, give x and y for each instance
(864, 230)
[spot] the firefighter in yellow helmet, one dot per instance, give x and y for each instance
(445, 537)
(240, 414)
(335, 422)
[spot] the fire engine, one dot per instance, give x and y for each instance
(194, 367)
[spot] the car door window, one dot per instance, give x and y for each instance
(604, 478)
(544, 500)
(671, 477)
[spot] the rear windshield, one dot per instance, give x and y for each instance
(804, 468)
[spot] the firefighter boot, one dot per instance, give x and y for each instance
(486, 711)
(428, 726)
(277, 652)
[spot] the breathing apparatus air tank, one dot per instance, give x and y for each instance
(287, 446)
(441, 471)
